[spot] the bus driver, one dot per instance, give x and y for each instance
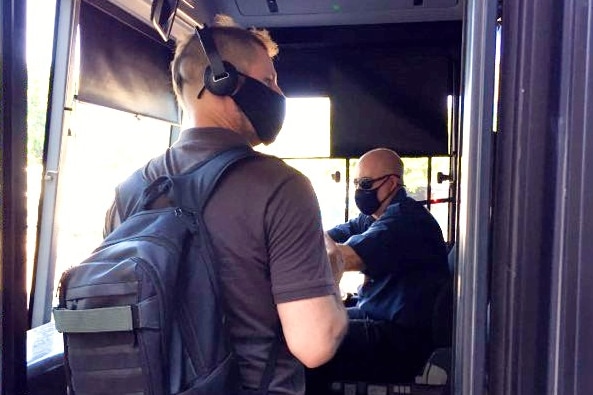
(399, 247)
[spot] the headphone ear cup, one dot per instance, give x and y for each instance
(225, 84)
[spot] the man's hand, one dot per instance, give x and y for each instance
(342, 257)
(336, 260)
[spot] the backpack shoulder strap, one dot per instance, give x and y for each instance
(192, 189)
(127, 194)
(189, 190)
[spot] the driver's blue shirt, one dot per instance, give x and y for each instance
(405, 261)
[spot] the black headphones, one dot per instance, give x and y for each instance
(220, 77)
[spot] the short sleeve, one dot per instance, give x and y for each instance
(380, 246)
(340, 233)
(299, 267)
(343, 232)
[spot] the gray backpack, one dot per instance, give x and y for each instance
(142, 314)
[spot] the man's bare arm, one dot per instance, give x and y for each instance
(352, 261)
(314, 328)
(336, 260)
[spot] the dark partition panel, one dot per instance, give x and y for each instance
(390, 98)
(542, 277)
(13, 291)
(388, 84)
(524, 198)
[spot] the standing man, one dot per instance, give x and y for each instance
(263, 217)
(399, 247)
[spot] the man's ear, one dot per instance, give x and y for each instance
(395, 182)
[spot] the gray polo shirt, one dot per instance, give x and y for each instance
(265, 225)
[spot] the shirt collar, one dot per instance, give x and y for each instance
(400, 196)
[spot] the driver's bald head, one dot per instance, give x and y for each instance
(382, 161)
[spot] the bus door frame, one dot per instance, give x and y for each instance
(62, 87)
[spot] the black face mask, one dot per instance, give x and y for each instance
(367, 201)
(264, 108)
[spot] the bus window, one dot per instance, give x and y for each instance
(415, 176)
(305, 133)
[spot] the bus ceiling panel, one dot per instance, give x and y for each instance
(302, 13)
(290, 13)
(278, 13)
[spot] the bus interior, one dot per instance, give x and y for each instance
(426, 78)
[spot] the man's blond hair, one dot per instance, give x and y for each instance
(234, 44)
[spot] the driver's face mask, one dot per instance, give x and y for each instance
(365, 195)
